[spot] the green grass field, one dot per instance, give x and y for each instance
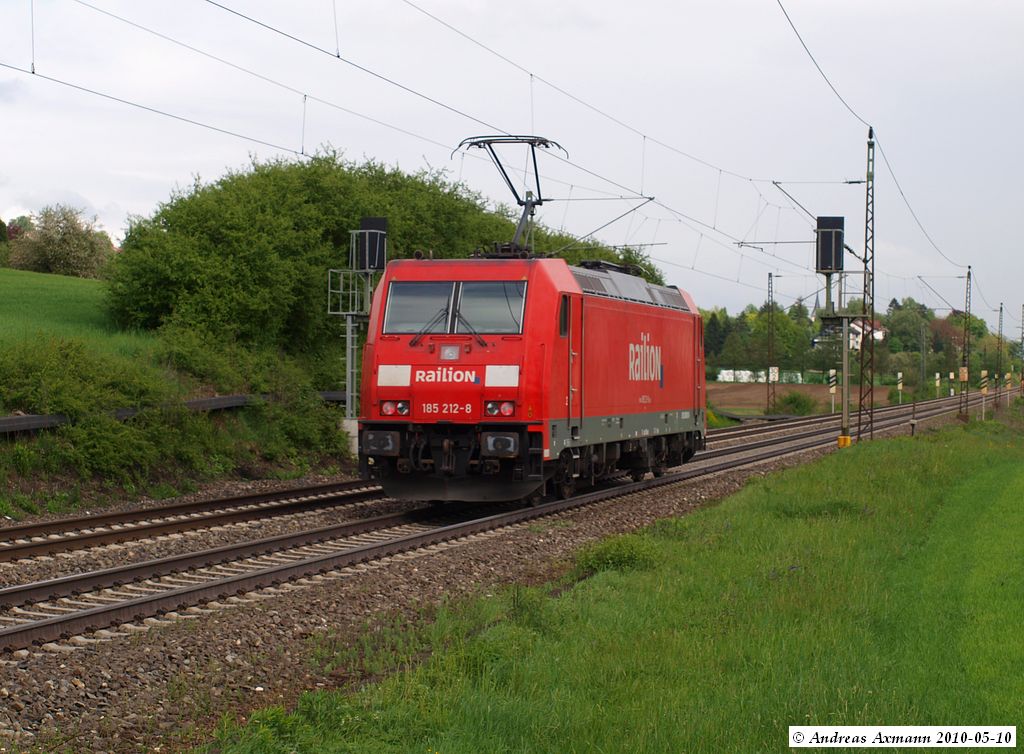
(35, 306)
(60, 354)
(882, 585)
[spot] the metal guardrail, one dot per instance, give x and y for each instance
(36, 422)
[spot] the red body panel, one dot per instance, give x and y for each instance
(639, 359)
(603, 358)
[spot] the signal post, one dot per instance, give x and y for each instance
(834, 317)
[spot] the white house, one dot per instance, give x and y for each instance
(857, 329)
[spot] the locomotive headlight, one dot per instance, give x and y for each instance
(390, 408)
(499, 408)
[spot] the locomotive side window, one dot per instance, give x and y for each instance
(491, 307)
(563, 317)
(415, 307)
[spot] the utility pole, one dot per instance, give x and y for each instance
(844, 427)
(965, 358)
(770, 405)
(866, 423)
(999, 362)
(920, 384)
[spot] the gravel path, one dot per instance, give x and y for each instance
(167, 686)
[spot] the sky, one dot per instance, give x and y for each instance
(703, 106)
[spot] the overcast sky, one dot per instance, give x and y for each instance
(704, 105)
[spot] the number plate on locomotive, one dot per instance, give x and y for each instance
(446, 409)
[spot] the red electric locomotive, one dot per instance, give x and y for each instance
(499, 379)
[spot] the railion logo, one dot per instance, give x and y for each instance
(645, 361)
(445, 374)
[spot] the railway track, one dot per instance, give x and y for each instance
(73, 533)
(61, 535)
(729, 433)
(71, 606)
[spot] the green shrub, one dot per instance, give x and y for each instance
(716, 421)
(796, 403)
(626, 552)
(62, 376)
(244, 259)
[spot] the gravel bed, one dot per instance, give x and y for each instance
(164, 689)
(137, 551)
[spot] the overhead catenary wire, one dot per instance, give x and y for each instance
(299, 153)
(453, 109)
(155, 110)
(929, 286)
(399, 85)
(301, 149)
(878, 142)
(364, 69)
(629, 211)
(314, 98)
(575, 98)
(814, 60)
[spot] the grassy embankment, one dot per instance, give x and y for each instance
(37, 307)
(881, 585)
(60, 354)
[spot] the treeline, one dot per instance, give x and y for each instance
(802, 345)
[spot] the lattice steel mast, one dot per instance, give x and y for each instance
(965, 359)
(999, 361)
(770, 406)
(866, 413)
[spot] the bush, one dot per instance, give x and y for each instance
(796, 403)
(61, 243)
(245, 259)
(627, 552)
(62, 376)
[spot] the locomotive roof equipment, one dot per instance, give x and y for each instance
(529, 201)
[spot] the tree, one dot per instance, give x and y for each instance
(799, 314)
(245, 258)
(19, 225)
(635, 257)
(717, 327)
(61, 243)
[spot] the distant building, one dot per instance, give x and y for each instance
(879, 332)
(857, 331)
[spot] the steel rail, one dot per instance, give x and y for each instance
(252, 512)
(76, 584)
(52, 629)
(62, 535)
(74, 523)
(725, 433)
(716, 452)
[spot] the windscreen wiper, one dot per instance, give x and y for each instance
(479, 338)
(442, 314)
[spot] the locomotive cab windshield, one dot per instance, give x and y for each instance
(419, 308)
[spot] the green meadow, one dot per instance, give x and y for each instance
(36, 306)
(883, 585)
